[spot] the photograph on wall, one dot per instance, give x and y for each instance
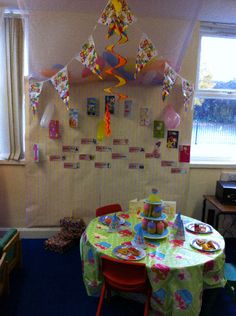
(172, 139)
(110, 100)
(92, 106)
(73, 118)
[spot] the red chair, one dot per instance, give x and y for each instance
(124, 276)
(108, 209)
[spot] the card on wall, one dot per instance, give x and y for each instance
(110, 101)
(172, 139)
(54, 129)
(184, 153)
(127, 107)
(73, 118)
(145, 116)
(158, 129)
(92, 106)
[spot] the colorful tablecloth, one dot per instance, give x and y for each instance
(178, 273)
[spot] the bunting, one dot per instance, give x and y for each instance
(34, 94)
(61, 83)
(170, 77)
(187, 89)
(88, 56)
(146, 52)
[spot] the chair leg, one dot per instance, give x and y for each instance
(147, 303)
(101, 300)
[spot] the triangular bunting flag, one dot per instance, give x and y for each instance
(187, 89)
(170, 77)
(61, 83)
(34, 94)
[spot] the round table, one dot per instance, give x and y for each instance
(178, 273)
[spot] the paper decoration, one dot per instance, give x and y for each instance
(107, 122)
(127, 107)
(146, 52)
(73, 118)
(158, 129)
(179, 232)
(184, 153)
(156, 150)
(172, 139)
(36, 152)
(61, 83)
(116, 9)
(34, 94)
(145, 116)
(88, 57)
(54, 129)
(110, 102)
(187, 89)
(170, 77)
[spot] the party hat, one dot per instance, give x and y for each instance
(138, 240)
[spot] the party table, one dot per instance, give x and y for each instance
(178, 273)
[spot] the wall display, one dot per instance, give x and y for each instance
(145, 116)
(118, 141)
(136, 149)
(86, 141)
(158, 129)
(54, 132)
(103, 148)
(86, 157)
(56, 157)
(172, 139)
(70, 149)
(71, 165)
(110, 101)
(102, 165)
(184, 153)
(179, 170)
(92, 106)
(73, 118)
(118, 156)
(135, 165)
(168, 163)
(127, 107)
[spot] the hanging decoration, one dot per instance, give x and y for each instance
(187, 89)
(107, 119)
(61, 83)
(117, 16)
(170, 77)
(88, 57)
(34, 94)
(146, 52)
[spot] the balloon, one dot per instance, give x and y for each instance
(171, 118)
(100, 130)
(47, 115)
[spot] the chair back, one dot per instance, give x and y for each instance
(108, 209)
(124, 275)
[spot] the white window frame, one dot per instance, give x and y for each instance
(217, 30)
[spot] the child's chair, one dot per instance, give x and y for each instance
(124, 276)
(4, 278)
(108, 209)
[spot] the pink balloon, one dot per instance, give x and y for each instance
(171, 118)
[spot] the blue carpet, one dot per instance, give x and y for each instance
(50, 284)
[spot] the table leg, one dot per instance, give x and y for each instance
(217, 220)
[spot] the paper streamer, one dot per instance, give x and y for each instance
(107, 127)
(34, 94)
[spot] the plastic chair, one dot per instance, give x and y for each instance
(124, 276)
(108, 209)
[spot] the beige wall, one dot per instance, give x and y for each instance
(17, 192)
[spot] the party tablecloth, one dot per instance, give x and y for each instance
(178, 273)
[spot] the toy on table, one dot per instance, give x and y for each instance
(114, 224)
(179, 233)
(138, 240)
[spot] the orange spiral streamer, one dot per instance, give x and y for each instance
(107, 120)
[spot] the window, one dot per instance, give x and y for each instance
(12, 42)
(214, 117)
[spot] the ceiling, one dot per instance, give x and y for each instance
(205, 10)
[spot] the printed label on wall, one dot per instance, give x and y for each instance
(102, 165)
(168, 163)
(117, 141)
(71, 165)
(86, 141)
(136, 149)
(103, 149)
(135, 165)
(86, 157)
(179, 170)
(118, 156)
(71, 149)
(56, 158)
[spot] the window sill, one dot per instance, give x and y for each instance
(13, 163)
(210, 165)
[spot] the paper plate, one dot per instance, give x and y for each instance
(103, 219)
(152, 236)
(130, 253)
(161, 218)
(195, 244)
(205, 228)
